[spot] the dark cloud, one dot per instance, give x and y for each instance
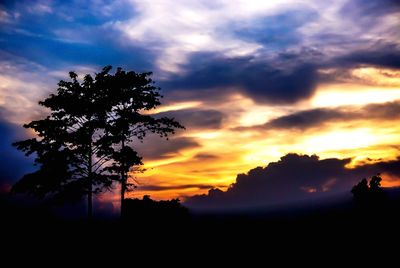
(210, 97)
(366, 15)
(194, 118)
(13, 164)
(154, 147)
(204, 156)
(318, 117)
(255, 78)
(306, 119)
(370, 9)
(388, 110)
(387, 55)
(290, 77)
(174, 187)
(293, 178)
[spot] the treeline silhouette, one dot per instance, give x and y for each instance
(147, 210)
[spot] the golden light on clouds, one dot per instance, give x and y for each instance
(230, 151)
(390, 181)
(353, 94)
(177, 106)
(376, 76)
(359, 86)
(338, 140)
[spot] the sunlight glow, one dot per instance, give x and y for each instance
(206, 135)
(177, 106)
(339, 140)
(337, 95)
(390, 181)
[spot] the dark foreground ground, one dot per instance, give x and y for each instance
(329, 232)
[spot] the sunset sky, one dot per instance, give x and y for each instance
(251, 80)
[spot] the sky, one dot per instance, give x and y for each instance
(267, 84)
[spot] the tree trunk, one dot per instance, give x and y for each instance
(89, 186)
(123, 189)
(123, 182)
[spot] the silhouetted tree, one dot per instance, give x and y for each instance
(375, 183)
(131, 94)
(360, 191)
(72, 146)
(377, 195)
(86, 142)
(369, 195)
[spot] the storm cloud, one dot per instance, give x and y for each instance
(293, 178)
(387, 55)
(254, 78)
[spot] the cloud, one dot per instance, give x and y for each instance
(254, 78)
(318, 117)
(344, 27)
(366, 8)
(40, 7)
(196, 118)
(306, 119)
(20, 90)
(5, 17)
(361, 75)
(267, 50)
(175, 29)
(387, 55)
(256, 28)
(154, 147)
(23, 84)
(174, 187)
(48, 33)
(293, 178)
(205, 156)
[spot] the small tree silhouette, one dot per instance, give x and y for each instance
(375, 183)
(369, 195)
(360, 191)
